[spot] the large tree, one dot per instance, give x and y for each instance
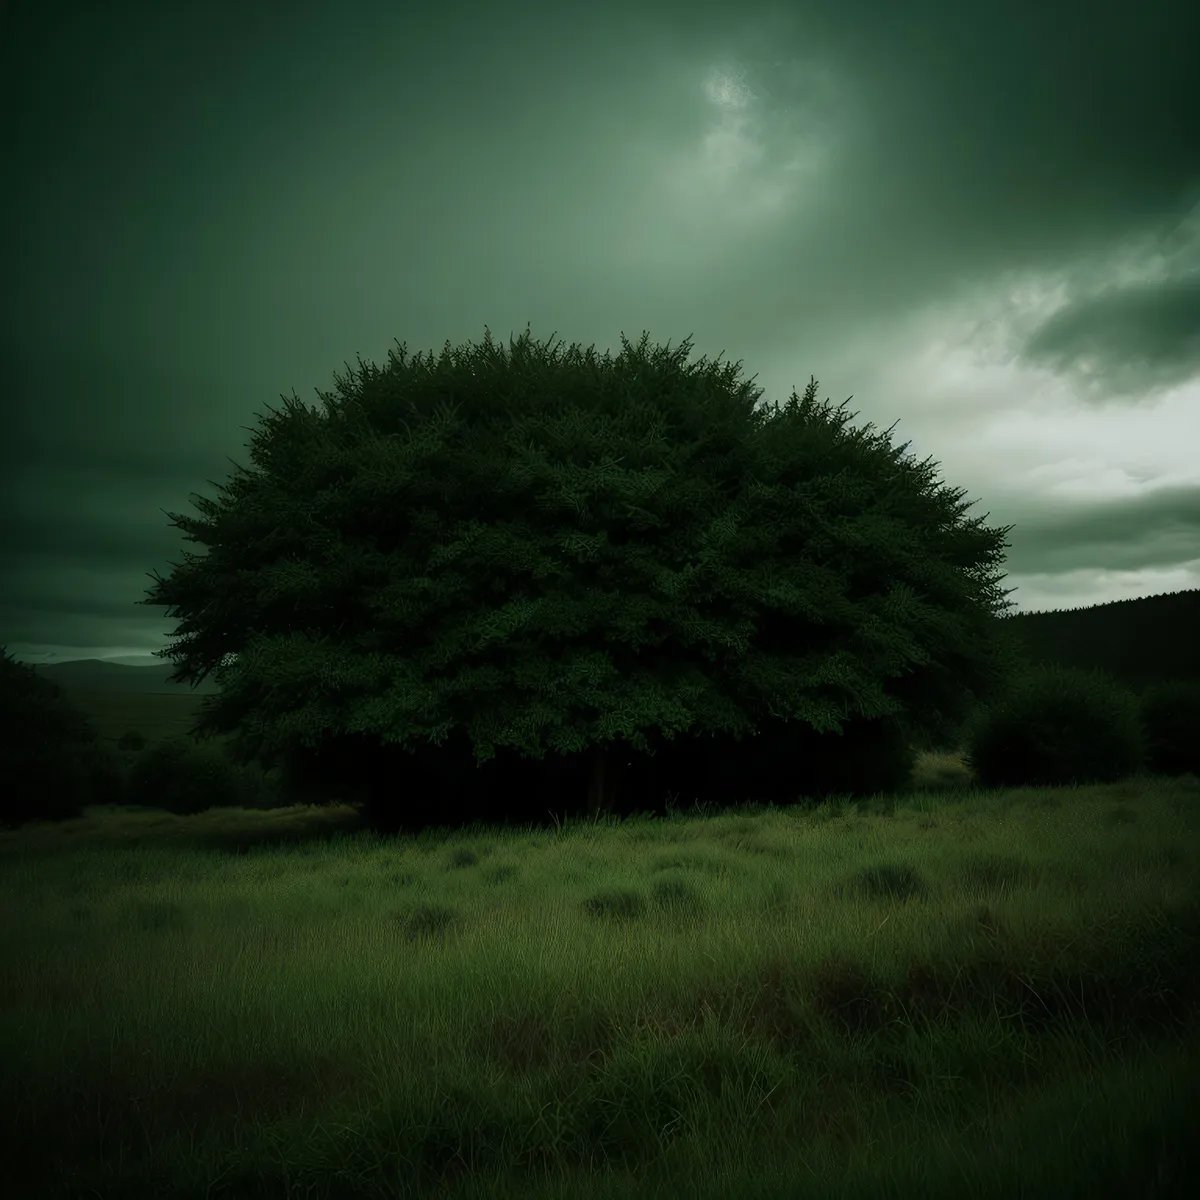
(544, 560)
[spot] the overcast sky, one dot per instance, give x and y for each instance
(981, 220)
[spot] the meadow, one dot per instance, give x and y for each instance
(947, 992)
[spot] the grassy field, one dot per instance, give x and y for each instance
(948, 992)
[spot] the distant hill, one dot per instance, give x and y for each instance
(101, 675)
(1138, 642)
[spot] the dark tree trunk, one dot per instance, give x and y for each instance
(606, 772)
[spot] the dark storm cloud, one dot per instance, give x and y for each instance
(1143, 335)
(979, 220)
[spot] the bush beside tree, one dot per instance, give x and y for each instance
(181, 777)
(1060, 726)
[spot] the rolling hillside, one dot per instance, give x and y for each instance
(119, 699)
(100, 675)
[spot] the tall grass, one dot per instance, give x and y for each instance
(943, 993)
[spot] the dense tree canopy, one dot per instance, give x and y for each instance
(552, 557)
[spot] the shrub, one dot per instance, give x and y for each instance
(131, 741)
(106, 773)
(1058, 726)
(263, 788)
(1171, 716)
(184, 777)
(49, 751)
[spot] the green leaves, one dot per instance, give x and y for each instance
(555, 552)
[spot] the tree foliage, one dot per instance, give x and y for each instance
(551, 557)
(52, 764)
